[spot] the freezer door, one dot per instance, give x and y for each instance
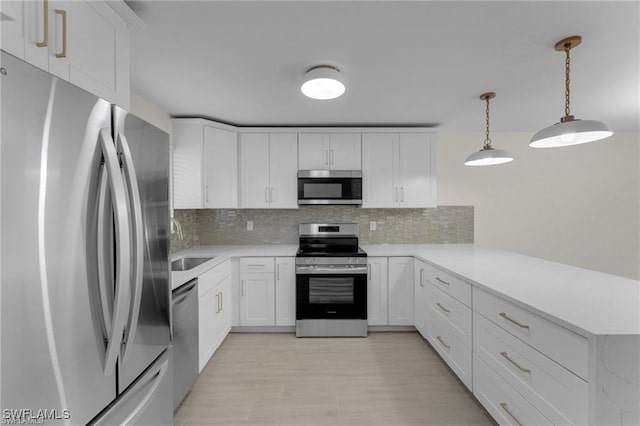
(145, 152)
(53, 333)
(145, 401)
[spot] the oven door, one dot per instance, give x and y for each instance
(331, 296)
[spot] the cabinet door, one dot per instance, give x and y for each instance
(421, 303)
(401, 291)
(257, 299)
(207, 335)
(377, 288)
(283, 170)
(416, 156)
(12, 29)
(313, 151)
(254, 170)
(377, 170)
(187, 165)
(223, 310)
(220, 168)
(345, 151)
(285, 291)
(34, 32)
(92, 39)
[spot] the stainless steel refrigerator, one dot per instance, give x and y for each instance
(85, 291)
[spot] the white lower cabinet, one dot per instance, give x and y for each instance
(401, 291)
(558, 394)
(455, 351)
(285, 291)
(257, 291)
(420, 301)
(377, 291)
(504, 404)
(214, 310)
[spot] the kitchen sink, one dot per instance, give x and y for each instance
(187, 263)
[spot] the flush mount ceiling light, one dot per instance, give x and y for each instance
(570, 130)
(488, 156)
(323, 82)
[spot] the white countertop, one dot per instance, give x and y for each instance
(583, 300)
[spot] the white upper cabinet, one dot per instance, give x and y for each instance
(398, 170)
(329, 151)
(83, 42)
(205, 165)
(268, 170)
(220, 168)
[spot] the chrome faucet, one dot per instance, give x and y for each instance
(178, 228)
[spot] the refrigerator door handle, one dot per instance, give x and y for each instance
(123, 250)
(131, 419)
(104, 276)
(131, 183)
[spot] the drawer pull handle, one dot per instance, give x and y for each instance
(45, 25)
(505, 407)
(506, 356)
(443, 308)
(421, 277)
(504, 315)
(442, 281)
(443, 343)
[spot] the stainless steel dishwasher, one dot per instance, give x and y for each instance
(184, 308)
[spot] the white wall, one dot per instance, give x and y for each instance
(578, 205)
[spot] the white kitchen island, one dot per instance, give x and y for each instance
(599, 314)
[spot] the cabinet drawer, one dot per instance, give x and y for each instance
(208, 280)
(560, 344)
(556, 392)
(454, 314)
(501, 401)
(450, 347)
(257, 264)
(446, 282)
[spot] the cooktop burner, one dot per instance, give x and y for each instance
(329, 240)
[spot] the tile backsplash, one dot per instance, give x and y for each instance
(444, 224)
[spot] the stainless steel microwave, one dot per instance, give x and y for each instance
(330, 187)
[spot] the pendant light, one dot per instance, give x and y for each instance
(570, 130)
(323, 82)
(488, 156)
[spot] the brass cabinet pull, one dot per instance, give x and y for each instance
(443, 343)
(63, 13)
(506, 408)
(442, 281)
(45, 19)
(221, 302)
(504, 315)
(506, 356)
(421, 277)
(443, 308)
(217, 303)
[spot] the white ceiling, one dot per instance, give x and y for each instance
(405, 63)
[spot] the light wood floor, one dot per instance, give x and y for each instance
(278, 379)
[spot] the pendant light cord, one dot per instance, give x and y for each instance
(487, 141)
(567, 90)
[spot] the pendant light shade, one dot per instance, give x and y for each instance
(570, 130)
(488, 156)
(323, 82)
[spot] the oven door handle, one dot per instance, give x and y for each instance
(314, 270)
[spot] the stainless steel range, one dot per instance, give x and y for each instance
(331, 281)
